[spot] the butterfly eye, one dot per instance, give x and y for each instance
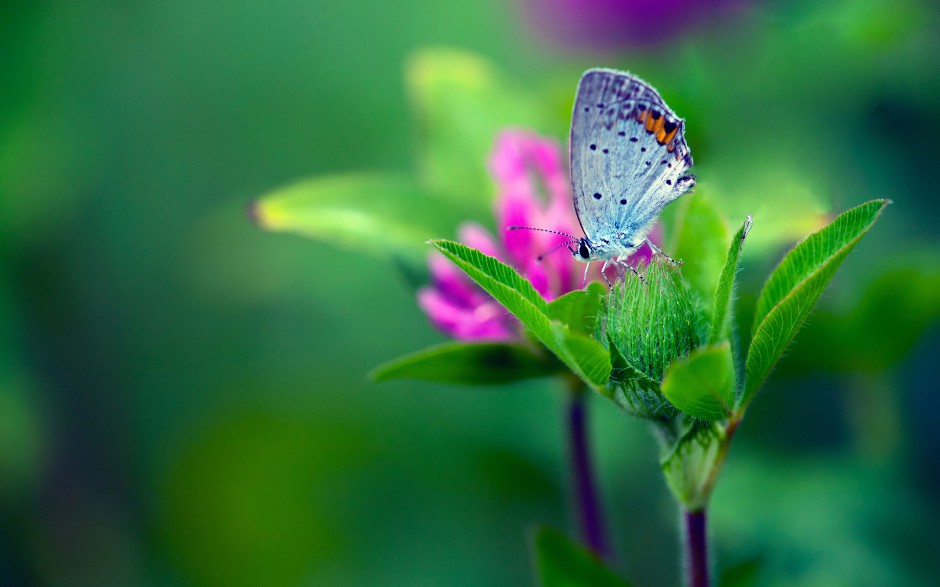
(583, 250)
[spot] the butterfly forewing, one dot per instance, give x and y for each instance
(629, 158)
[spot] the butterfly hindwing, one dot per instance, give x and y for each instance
(629, 158)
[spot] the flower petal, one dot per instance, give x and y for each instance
(482, 322)
(452, 283)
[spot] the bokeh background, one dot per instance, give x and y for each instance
(183, 396)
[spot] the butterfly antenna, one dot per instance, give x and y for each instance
(571, 236)
(552, 250)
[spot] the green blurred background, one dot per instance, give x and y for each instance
(183, 397)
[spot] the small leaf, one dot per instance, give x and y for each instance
(579, 309)
(584, 356)
(591, 358)
(725, 290)
(380, 214)
(701, 384)
(700, 243)
(469, 364)
(796, 284)
(562, 563)
(461, 102)
(692, 462)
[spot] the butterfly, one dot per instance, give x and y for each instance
(629, 160)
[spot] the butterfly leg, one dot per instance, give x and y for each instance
(584, 279)
(659, 252)
(604, 275)
(632, 268)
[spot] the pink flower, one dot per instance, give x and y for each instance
(459, 307)
(533, 191)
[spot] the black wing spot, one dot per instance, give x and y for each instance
(668, 182)
(642, 149)
(605, 151)
(648, 163)
(593, 147)
(587, 108)
(623, 201)
(621, 133)
(633, 139)
(600, 105)
(597, 196)
(663, 162)
(669, 126)
(655, 114)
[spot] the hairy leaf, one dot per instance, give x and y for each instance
(701, 384)
(724, 293)
(690, 465)
(584, 356)
(590, 358)
(796, 284)
(888, 318)
(470, 364)
(579, 309)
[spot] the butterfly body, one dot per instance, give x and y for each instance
(628, 160)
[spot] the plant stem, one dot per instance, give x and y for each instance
(582, 472)
(696, 549)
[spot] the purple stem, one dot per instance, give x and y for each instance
(696, 549)
(585, 491)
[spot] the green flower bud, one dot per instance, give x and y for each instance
(648, 324)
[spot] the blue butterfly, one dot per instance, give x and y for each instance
(629, 160)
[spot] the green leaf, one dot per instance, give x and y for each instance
(503, 283)
(743, 574)
(379, 214)
(584, 356)
(591, 359)
(796, 284)
(562, 563)
(469, 364)
(579, 309)
(700, 243)
(701, 384)
(725, 290)
(885, 321)
(461, 103)
(692, 462)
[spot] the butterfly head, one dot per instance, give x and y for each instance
(606, 249)
(584, 249)
(588, 251)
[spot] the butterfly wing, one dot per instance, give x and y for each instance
(629, 157)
